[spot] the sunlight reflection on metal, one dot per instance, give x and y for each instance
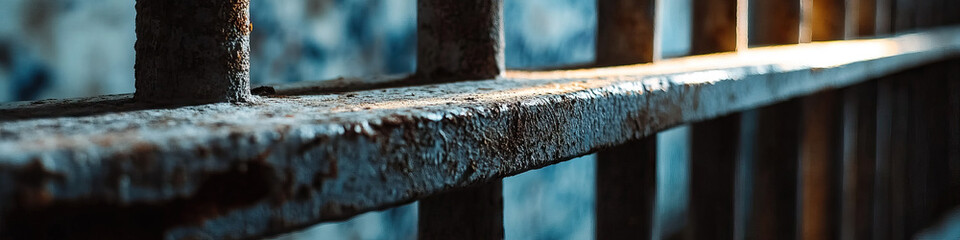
(703, 69)
(819, 54)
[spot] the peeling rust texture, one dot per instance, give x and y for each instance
(244, 170)
(459, 40)
(193, 51)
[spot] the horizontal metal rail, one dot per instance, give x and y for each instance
(303, 159)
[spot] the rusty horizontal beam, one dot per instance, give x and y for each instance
(283, 162)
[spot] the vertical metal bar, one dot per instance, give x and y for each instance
(860, 136)
(627, 190)
(925, 15)
(625, 32)
(459, 40)
(774, 22)
(884, 18)
(866, 131)
(828, 19)
(714, 160)
(897, 156)
(626, 175)
(917, 164)
(928, 169)
(866, 17)
(775, 180)
(820, 165)
(953, 87)
(820, 156)
(925, 171)
(851, 21)
(193, 51)
(903, 15)
(899, 137)
(715, 26)
(916, 101)
(775, 172)
(471, 213)
(940, 111)
(714, 155)
(939, 17)
(950, 11)
(884, 224)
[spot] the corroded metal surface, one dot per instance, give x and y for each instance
(625, 32)
(459, 40)
(230, 170)
(624, 183)
(193, 51)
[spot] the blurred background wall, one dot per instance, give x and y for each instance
(77, 48)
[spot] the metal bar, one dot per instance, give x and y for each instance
(714, 144)
(820, 145)
(820, 165)
(937, 113)
(775, 194)
(627, 190)
(851, 19)
(459, 40)
(916, 150)
(892, 16)
(714, 159)
(331, 156)
(948, 11)
(471, 213)
(884, 18)
(913, 168)
(775, 181)
(192, 52)
(627, 174)
(950, 77)
(899, 158)
(884, 222)
(828, 19)
(953, 86)
(926, 13)
(927, 169)
(715, 26)
(776, 22)
(859, 164)
(903, 15)
(866, 17)
(625, 32)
